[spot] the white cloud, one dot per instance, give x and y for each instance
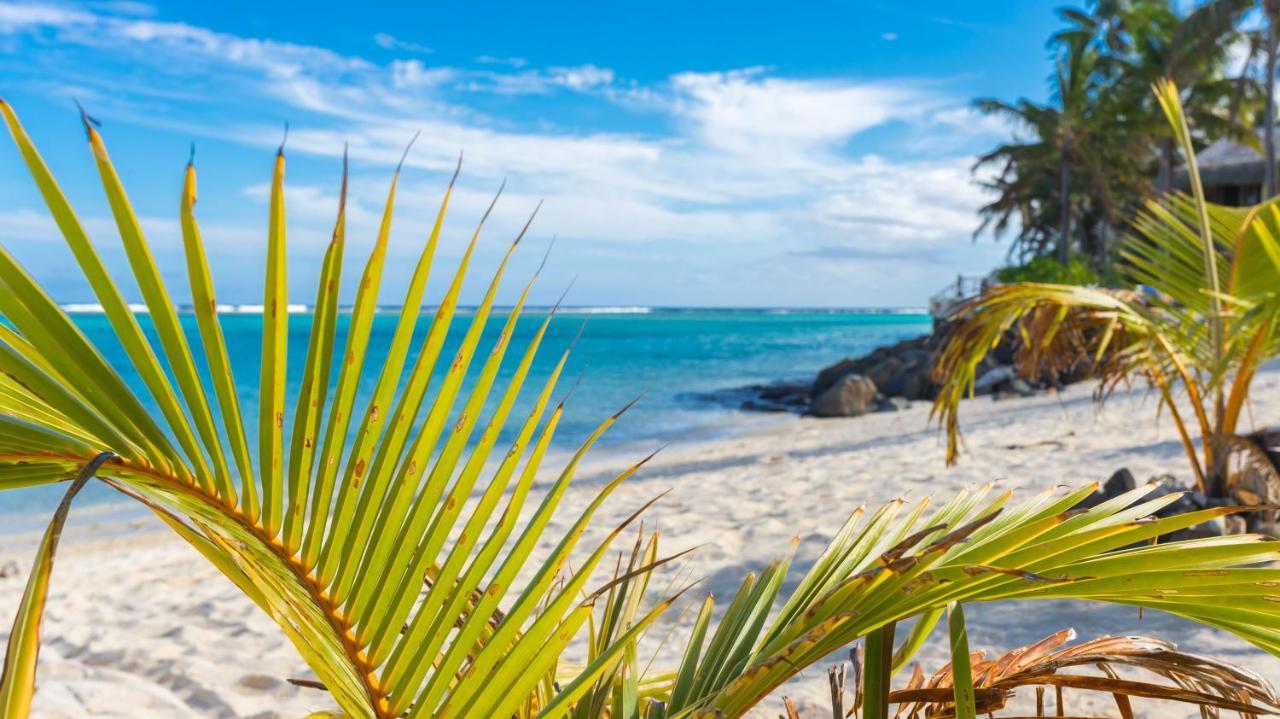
(740, 158)
(516, 62)
(580, 78)
(25, 224)
(391, 42)
(19, 18)
(746, 110)
(413, 74)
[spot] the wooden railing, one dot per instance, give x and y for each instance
(944, 301)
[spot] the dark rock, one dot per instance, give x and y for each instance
(1119, 483)
(913, 381)
(851, 396)
(991, 379)
(1204, 530)
(828, 377)
(1020, 387)
(892, 404)
(883, 371)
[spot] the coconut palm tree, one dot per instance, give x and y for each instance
(1271, 9)
(400, 554)
(1191, 50)
(1083, 162)
(1074, 163)
(1201, 330)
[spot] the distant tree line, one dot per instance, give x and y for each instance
(1078, 165)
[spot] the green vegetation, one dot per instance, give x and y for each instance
(1083, 163)
(1200, 332)
(1077, 271)
(415, 572)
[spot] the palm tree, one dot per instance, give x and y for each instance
(1191, 50)
(397, 553)
(1272, 11)
(1086, 159)
(1078, 159)
(1207, 323)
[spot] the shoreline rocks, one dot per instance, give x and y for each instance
(887, 379)
(1189, 500)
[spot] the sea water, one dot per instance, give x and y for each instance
(676, 361)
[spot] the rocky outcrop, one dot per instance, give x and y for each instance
(889, 378)
(1188, 500)
(851, 396)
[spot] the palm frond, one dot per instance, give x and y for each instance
(335, 533)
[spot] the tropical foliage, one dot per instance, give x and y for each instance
(1201, 328)
(1082, 163)
(413, 567)
(1078, 271)
(1050, 663)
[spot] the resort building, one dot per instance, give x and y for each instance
(1233, 173)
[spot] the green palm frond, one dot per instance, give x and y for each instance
(896, 566)
(1202, 324)
(357, 534)
(398, 549)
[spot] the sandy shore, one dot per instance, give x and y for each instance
(139, 626)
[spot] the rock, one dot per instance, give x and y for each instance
(1236, 524)
(1019, 387)
(1204, 530)
(993, 377)
(829, 376)
(1119, 483)
(851, 396)
(883, 372)
(892, 404)
(913, 381)
(9, 569)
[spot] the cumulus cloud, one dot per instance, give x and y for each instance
(746, 110)
(739, 158)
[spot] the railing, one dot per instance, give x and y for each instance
(941, 304)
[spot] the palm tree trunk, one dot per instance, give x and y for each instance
(1167, 153)
(1064, 229)
(1273, 10)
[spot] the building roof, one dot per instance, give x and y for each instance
(1226, 162)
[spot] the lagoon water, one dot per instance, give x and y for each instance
(676, 358)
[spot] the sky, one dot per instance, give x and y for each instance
(686, 154)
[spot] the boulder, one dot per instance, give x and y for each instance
(912, 381)
(992, 378)
(1019, 386)
(827, 377)
(1212, 528)
(892, 404)
(1119, 483)
(882, 372)
(851, 396)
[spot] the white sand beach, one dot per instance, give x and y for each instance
(140, 626)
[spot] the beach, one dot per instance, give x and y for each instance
(138, 625)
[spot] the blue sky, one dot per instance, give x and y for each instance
(710, 153)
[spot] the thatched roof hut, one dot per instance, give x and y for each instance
(1232, 173)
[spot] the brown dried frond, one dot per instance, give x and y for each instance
(1188, 678)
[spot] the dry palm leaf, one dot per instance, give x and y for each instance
(1187, 678)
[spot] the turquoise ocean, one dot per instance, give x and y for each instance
(678, 361)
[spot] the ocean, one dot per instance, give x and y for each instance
(678, 361)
